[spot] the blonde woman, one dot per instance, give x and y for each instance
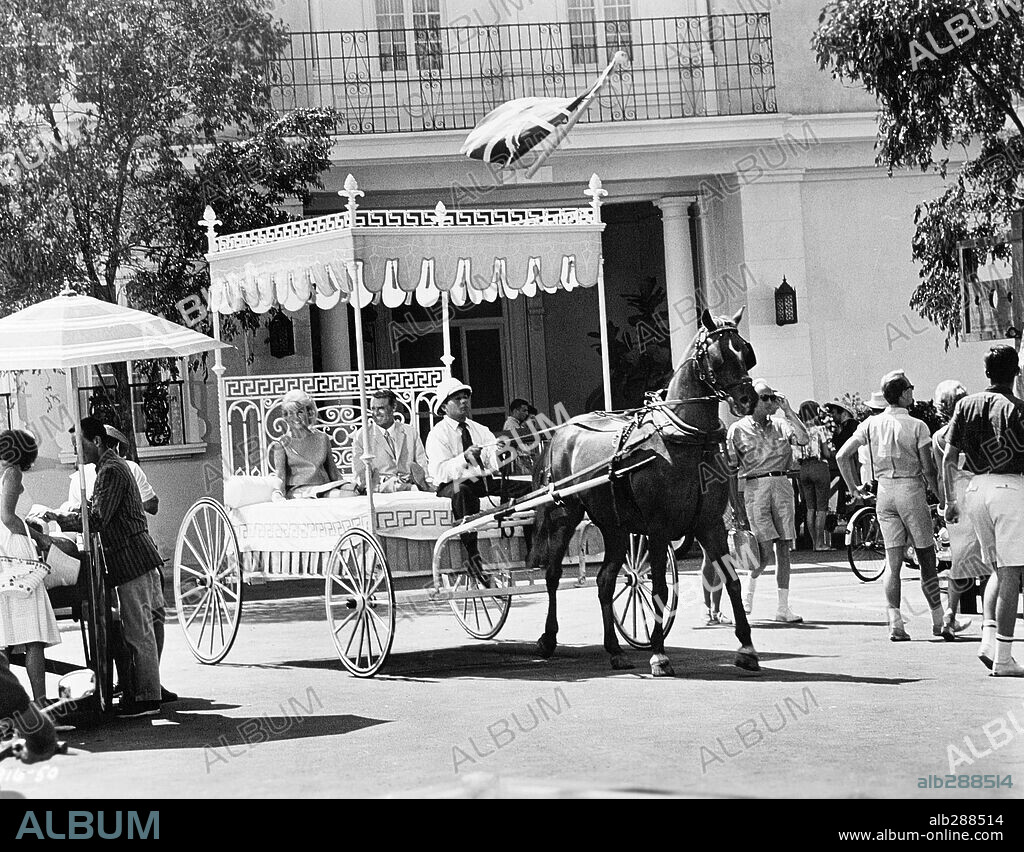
(26, 622)
(302, 457)
(964, 548)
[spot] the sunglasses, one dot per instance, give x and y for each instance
(769, 398)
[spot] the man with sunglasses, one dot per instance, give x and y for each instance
(761, 454)
(900, 449)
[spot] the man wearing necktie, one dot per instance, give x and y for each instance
(398, 455)
(461, 455)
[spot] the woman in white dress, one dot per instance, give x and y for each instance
(26, 622)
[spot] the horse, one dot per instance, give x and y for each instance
(673, 484)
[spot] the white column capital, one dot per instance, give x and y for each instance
(674, 205)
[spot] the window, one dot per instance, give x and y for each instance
(163, 419)
(393, 35)
(583, 29)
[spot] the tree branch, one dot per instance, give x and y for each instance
(1005, 105)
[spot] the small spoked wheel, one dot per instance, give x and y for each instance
(481, 617)
(208, 586)
(633, 597)
(360, 600)
(866, 550)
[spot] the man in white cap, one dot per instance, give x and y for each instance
(900, 449)
(461, 455)
(760, 451)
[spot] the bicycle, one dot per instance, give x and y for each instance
(865, 548)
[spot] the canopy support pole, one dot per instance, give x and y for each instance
(210, 221)
(352, 192)
(446, 332)
(596, 191)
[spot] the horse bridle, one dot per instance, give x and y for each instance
(705, 372)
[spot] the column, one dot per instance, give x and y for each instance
(679, 280)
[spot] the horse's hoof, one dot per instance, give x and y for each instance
(620, 662)
(748, 662)
(546, 647)
(662, 670)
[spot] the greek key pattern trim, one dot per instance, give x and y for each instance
(534, 217)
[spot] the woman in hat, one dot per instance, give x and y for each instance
(844, 419)
(302, 457)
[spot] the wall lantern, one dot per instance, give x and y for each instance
(785, 304)
(282, 336)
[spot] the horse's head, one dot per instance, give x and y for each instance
(723, 360)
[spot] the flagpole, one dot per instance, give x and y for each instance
(563, 130)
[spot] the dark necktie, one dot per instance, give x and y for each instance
(467, 441)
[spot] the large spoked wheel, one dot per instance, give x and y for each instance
(100, 652)
(360, 599)
(483, 617)
(633, 598)
(866, 549)
(208, 581)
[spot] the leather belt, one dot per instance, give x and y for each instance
(770, 473)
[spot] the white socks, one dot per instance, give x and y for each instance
(783, 598)
(1004, 649)
(751, 585)
(988, 639)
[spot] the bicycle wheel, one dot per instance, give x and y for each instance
(866, 550)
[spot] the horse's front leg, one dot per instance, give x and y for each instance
(555, 526)
(716, 546)
(657, 553)
(615, 542)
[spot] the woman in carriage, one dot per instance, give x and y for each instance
(302, 457)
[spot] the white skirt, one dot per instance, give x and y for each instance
(24, 620)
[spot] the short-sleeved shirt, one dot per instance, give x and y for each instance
(988, 428)
(896, 442)
(757, 450)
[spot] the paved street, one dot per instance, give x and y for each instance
(456, 716)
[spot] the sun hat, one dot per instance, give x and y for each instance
(877, 402)
(842, 406)
(116, 434)
(446, 390)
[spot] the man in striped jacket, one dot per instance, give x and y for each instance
(133, 563)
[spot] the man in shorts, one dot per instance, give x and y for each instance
(988, 427)
(760, 452)
(900, 449)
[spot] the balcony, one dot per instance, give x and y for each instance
(448, 78)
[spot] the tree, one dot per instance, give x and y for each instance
(947, 73)
(119, 121)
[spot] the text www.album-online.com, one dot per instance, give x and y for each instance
(940, 834)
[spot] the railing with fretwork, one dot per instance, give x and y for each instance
(448, 78)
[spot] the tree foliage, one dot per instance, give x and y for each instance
(947, 74)
(119, 121)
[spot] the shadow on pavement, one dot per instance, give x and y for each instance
(179, 726)
(519, 661)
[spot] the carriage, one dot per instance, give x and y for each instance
(381, 551)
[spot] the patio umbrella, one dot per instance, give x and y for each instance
(70, 331)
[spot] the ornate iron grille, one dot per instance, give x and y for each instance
(682, 67)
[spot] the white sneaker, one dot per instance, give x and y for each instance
(748, 603)
(1010, 669)
(786, 615)
(709, 618)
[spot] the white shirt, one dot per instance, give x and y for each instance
(445, 461)
(390, 460)
(74, 501)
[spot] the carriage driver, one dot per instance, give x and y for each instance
(760, 449)
(461, 455)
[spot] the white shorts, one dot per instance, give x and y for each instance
(902, 509)
(771, 508)
(995, 504)
(964, 548)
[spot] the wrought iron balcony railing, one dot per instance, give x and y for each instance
(448, 78)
